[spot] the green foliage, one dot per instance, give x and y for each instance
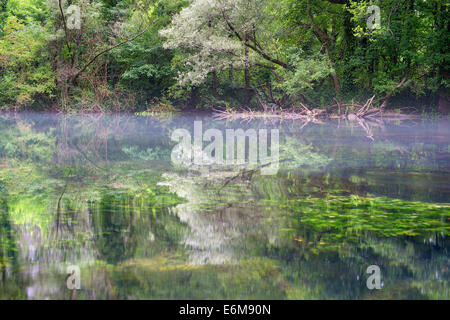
(145, 65)
(29, 11)
(198, 53)
(26, 69)
(156, 153)
(307, 73)
(405, 45)
(26, 144)
(3, 15)
(298, 154)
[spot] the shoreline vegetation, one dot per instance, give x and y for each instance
(294, 59)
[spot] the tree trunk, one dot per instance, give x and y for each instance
(444, 101)
(442, 23)
(231, 74)
(247, 79)
(214, 84)
(328, 44)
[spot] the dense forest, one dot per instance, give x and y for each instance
(100, 55)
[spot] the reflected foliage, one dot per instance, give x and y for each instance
(100, 192)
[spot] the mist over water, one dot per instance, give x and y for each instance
(101, 192)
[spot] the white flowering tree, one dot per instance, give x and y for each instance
(221, 34)
(215, 35)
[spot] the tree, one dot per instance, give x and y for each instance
(144, 65)
(238, 34)
(411, 44)
(82, 46)
(25, 68)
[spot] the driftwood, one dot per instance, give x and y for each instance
(349, 111)
(364, 115)
(358, 111)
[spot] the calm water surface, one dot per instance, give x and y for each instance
(100, 192)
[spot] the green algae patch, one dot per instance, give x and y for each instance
(169, 276)
(340, 219)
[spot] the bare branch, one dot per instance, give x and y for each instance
(109, 49)
(255, 48)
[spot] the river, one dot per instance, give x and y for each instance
(102, 195)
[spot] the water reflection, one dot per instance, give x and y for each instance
(99, 192)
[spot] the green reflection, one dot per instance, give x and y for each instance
(102, 195)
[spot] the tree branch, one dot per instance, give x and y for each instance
(253, 47)
(387, 97)
(64, 24)
(108, 49)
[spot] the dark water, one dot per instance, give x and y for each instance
(101, 193)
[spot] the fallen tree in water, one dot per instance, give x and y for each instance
(351, 112)
(371, 109)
